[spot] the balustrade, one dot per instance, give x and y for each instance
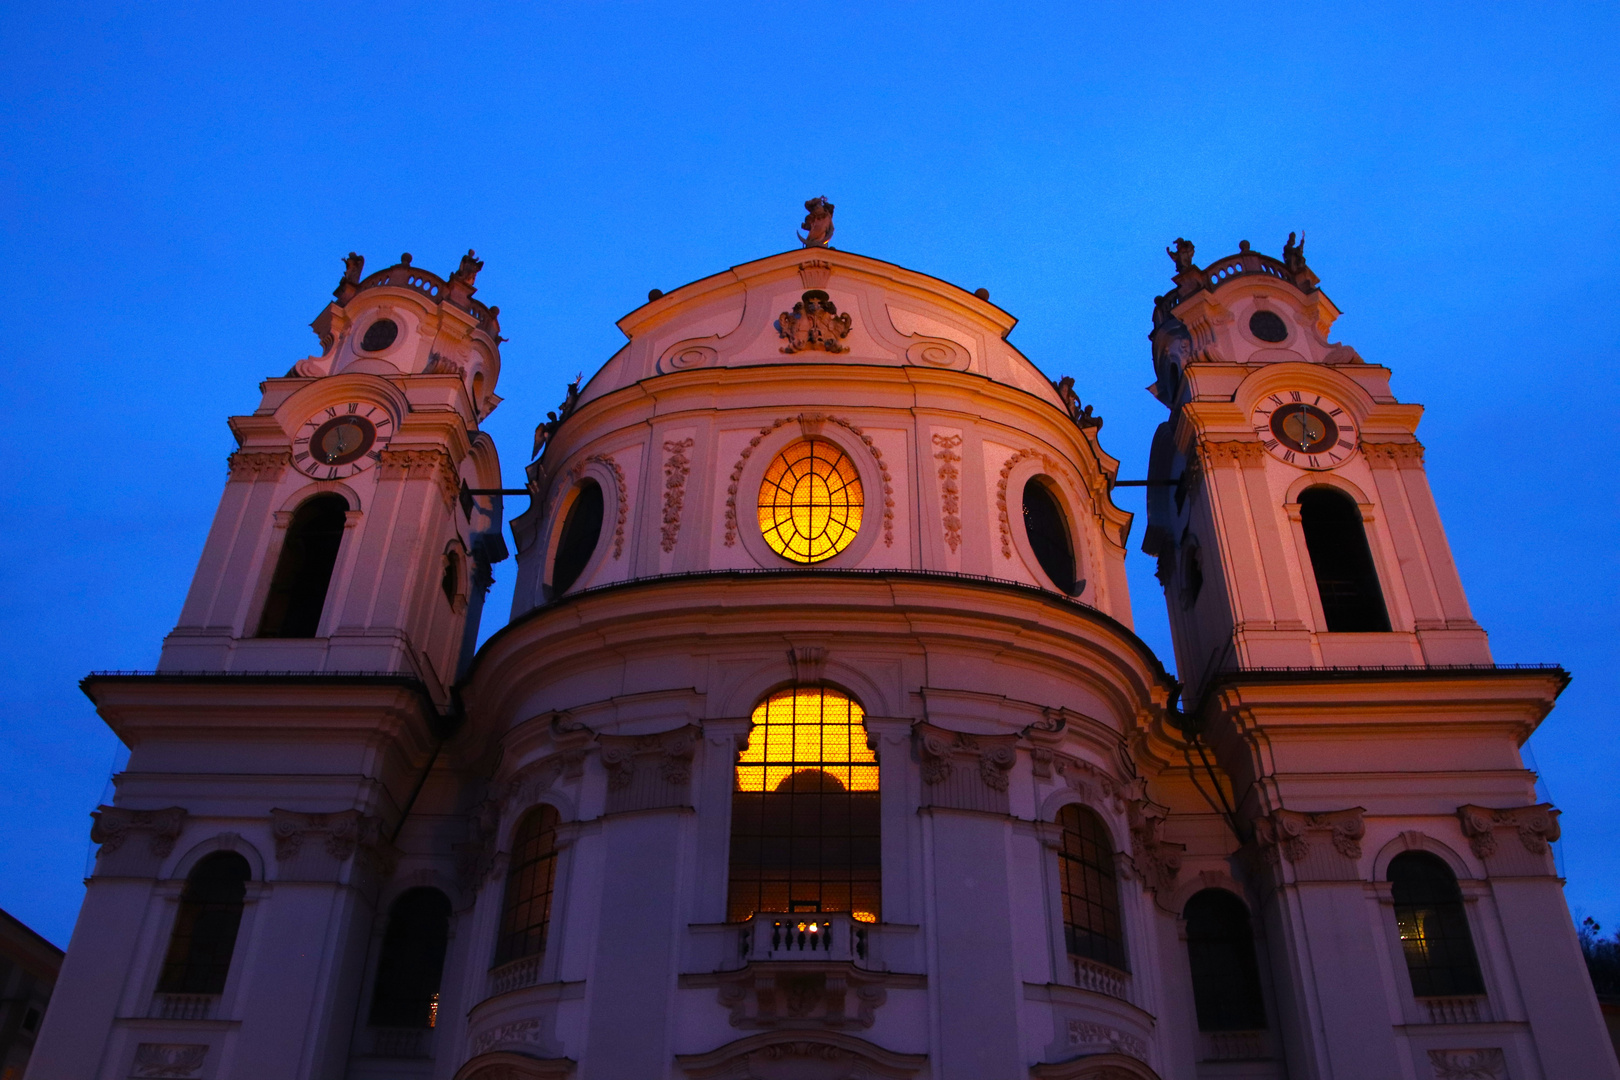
(1100, 978)
(184, 1006)
(1455, 1010)
(515, 975)
(777, 936)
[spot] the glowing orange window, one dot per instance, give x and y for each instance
(810, 502)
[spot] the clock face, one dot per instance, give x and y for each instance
(342, 440)
(1305, 429)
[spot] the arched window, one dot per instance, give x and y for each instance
(412, 961)
(304, 570)
(1225, 974)
(581, 528)
(1434, 927)
(205, 929)
(1346, 581)
(1047, 527)
(450, 580)
(1091, 925)
(526, 912)
(804, 812)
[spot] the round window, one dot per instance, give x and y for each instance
(380, 335)
(581, 528)
(1048, 530)
(1268, 326)
(810, 502)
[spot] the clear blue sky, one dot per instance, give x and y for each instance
(178, 183)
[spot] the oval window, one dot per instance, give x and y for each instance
(580, 531)
(810, 502)
(1268, 326)
(1048, 530)
(380, 335)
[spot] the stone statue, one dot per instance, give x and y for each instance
(1182, 255)
(1294, 254)
(555, 418)
(468, 270)
(814, 323)
(352, 266)
(1082, 417)
(818, 222)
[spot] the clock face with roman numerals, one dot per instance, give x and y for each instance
(341, 440)
(1305, 429)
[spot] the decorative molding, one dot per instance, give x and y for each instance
(1106, 1065)
(1537, 826)
(1285, 834)
(347, 833)
(619, 488)
(807, 662)
(676, 466)
(1398, 454)
(1092, 1035)
(810, 419)
(112, 825)
(815, 274)
(1001, 493)
(646, 772)
(1158, 861)
(510, 1065)
(1239, 452)
(692, 353)
(169, 1059)
(414, 464)
(801, 994)
(780, 1055)
(937, 353)
(950, 487)
(245, 465)
(814, 324)
(965, 772)
(1486, 1064)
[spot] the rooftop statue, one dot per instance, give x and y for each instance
(818, 222)
(349, 283)
(1294, 254)
(468, 270)
(1182, 255)
(1082, 416)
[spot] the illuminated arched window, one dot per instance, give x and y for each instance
(204, 935)
(804, 811)
(810, 502)
(1434, 927)
(526, 911)
(1091, 924)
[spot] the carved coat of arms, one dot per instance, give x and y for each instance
(814, 323)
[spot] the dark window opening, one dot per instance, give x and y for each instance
(450, 582)
(580, 531)
(412, 961)
(1048, 530)
(1346, 581)
(304, 569)
(1434, 927)
(1091, 923)
(1192, 577)
(1268, 326)
(31, 1020)
(205, 928)
(1226, 976)
(379, 335)
(526, 911)
(805, 812)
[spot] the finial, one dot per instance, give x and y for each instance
(405, 259)
(818, 222)
(982, 294)
(1243, 246)
(654, 294)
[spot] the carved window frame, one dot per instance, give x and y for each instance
(605, 477)
(168, 894)
(751, 478)
(1050, 833)
(1049, 467)
(568, 830)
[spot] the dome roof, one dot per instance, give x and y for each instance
(818, 306)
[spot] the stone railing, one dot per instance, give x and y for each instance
(184, 1006)
(1248, 262)
(515, 975)
(402, 1043)
(777, 936)
(406, 276)
(1456, 1010)
(1236, 1046)
(1100, 978)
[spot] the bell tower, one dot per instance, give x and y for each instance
(1290, 513)
(338, 544)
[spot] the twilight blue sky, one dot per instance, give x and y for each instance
(178, 183)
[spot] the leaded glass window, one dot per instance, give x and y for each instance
(805, 814)
(810, 502)
(1091, 924)
(526, 912)
(1434, 927)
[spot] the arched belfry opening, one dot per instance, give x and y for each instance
(1346, 580)
(304, 569)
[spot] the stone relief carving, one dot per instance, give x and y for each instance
(169, 1059)
(790, 1056)
(113, 825)
(347, 833)
(1239, 452)
(799, 995)
(814, 324)
(405, 464)
(1001, 493)
(649, 771)
(944, 751)
(1487, 1064)
(692, 353)
(1089, 1034)
(1158, 861)
(1537, 826)
(1286, 833)
(950, 487)
(676, 466)
(246, 465)
(619, 489)
(809, 421)
(1400, 455)
(807, 662)
(815, 273)
(937, 352)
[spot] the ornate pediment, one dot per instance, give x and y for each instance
(791, 1055)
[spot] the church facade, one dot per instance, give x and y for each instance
(818, 744)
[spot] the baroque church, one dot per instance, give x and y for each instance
(818, 744)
